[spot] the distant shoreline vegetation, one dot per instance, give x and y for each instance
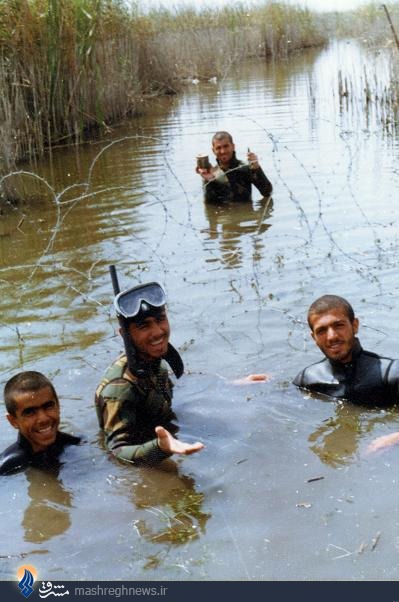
(70, 66)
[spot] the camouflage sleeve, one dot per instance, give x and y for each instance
(118, 403)
(259, 179)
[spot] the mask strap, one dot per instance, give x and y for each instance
(174, 360)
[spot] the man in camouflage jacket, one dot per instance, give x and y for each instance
(134, 398)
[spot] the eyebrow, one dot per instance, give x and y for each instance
(336, 323)
(30, 409)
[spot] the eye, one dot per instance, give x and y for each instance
(50, 405)
(29, 412)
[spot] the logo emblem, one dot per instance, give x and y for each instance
(47, 589)
(26, 575)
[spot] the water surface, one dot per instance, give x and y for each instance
(239, 281)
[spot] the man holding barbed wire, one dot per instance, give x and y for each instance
(231, 179)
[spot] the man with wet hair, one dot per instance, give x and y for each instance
(347, 371)
(33, 409)
(231, 180)
(134, 398)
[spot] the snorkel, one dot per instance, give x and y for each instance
(147, 299)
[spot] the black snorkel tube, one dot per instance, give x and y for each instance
(135, 365)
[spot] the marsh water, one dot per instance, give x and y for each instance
(239, 280)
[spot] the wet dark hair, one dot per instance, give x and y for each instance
(328, 302)
(22, 383)
(221, 136)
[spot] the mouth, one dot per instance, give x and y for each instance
(46, 431)
(336, 347)
(158, 346)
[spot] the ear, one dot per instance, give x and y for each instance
(355, 325)
(312, 335)
(13, 421)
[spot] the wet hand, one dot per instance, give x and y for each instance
(252, 378)
(206, 174)
(252, 160)
(383, 442)
(170, 445)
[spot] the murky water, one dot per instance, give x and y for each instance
(239, 281)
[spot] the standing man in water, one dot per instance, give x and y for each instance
(231, 179)
(134, 398)
(34, 410)
(347, 371)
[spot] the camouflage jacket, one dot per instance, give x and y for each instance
(129, 408)
(234, 184)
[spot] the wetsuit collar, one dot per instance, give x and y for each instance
(24, 444)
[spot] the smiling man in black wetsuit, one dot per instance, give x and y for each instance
(347, 371)
(34, 410)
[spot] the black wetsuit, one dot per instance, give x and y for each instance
(234, 183)
(368, 379)
(19, 455)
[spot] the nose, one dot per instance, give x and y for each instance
(156, 330)
(331, 334)
(42, 416)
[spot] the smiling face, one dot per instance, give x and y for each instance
(151, 336)
(223, 150)
(37, 417)
(334, 334)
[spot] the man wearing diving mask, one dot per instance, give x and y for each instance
(134, 398)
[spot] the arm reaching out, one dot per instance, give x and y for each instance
(168, 444)
(383, 442)
(252, 378)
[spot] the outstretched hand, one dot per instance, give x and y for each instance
(383, 442)
(252, 378)
(170, 445)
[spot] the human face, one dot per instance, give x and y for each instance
(223, 150)
(151, 336)
(37, 417)
(334, 334)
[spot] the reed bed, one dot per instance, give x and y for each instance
(372, 93)
(371, 97)
(70, 66)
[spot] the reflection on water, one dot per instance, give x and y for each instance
(231, 225)
(337, 440)
(239, 280)
(173, 507)
(48, 512)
